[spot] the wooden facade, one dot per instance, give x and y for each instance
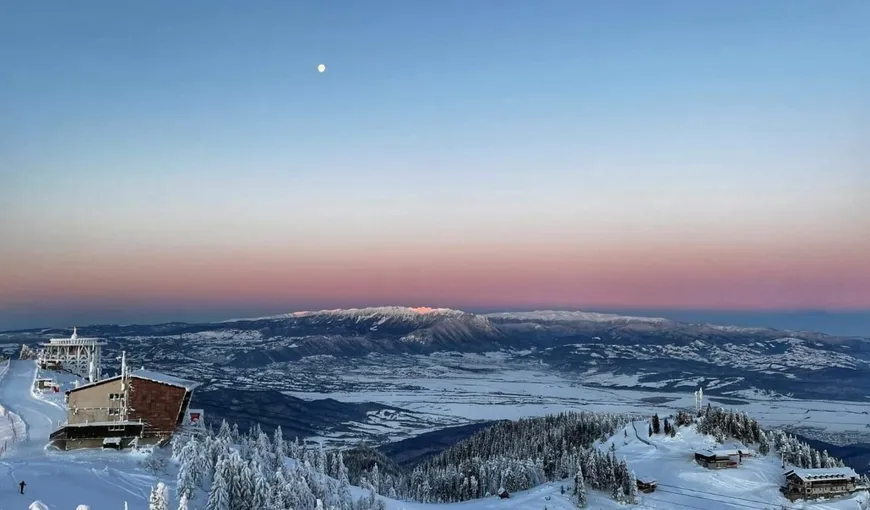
(159, 405)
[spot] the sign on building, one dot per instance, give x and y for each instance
(194, 416)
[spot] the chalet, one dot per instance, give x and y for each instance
(144, 407)
(503, 493)
(714, 459)
(814, 483)
(646, 485)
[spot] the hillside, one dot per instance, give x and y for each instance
(107, 480)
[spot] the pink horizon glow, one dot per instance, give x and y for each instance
(658, 276)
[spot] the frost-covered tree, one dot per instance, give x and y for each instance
(182, 502)
(219, 494)
(580, 489)
(279, 448)
(631, 489)
(159, 499)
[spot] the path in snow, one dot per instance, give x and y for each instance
(61, 480)
(41, 417)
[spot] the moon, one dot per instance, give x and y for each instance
(321, 68)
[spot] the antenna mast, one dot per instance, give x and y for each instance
(125, 386)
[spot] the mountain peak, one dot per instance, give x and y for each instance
(402, 311)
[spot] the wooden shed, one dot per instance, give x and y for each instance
(646, 485)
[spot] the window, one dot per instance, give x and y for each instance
(114, 411)
(116, 396)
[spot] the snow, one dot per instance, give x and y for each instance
(164, 378)
(363, 313)
(817, 474)
(110, 480)
(571, 316)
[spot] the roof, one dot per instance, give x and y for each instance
(718, 453)
(648, 481)
(128, 423)
(164, 378)
(148, 375)
(827, 474)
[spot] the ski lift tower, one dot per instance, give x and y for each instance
(77, 355)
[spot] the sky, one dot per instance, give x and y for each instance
(180, 160)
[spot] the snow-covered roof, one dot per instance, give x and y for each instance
(648, 481)
(164, 378)
(145, 374)
(718, 453)
(104, 423)
(815, 475)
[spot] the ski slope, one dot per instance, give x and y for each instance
(107, 480)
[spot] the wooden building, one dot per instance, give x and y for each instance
(646, 485)
(145, 406)
(715, 459)
(814, 483)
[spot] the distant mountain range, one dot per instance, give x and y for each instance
(259, 354)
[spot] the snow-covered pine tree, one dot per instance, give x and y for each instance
(261, 487)
(159, 498)
(241, 484)
(279, 448)
(631, 492)
(580, 489)
(225, 431)
(182, 502)
(219, 494)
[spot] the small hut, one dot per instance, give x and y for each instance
(503, 493)
(646, 485)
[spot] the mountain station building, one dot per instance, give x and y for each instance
(145, 408)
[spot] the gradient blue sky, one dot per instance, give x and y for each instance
(159, 157)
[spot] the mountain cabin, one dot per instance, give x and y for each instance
(144, 408)
(814, 483)
(715, 459)
(646, 485)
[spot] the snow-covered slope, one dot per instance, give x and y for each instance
(109, 480)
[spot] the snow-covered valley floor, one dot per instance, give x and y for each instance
(473, 387)
(108, 480)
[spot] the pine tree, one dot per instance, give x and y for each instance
(219, 495)
(280, 448)
(632, 488)
(580, 489)
(182, 502)
(225, 431)
(158, 499)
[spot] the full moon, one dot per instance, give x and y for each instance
(321, 68)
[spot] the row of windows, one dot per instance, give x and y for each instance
(116, 396)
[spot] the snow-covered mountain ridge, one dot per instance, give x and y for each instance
(315, 351)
